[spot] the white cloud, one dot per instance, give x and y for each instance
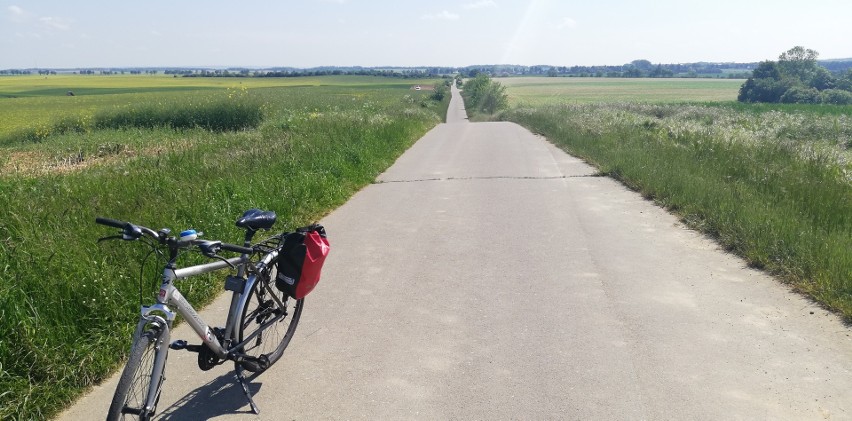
(55, 23)
(480, 4)
(566, 23)
(21, 16)
(18, 15)
(444, 15)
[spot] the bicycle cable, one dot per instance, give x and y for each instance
(154, 249)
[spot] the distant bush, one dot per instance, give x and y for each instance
(763, 90)
(482, 94)
(801, 95)
(441, 91)
(796, 78)
(836, 97)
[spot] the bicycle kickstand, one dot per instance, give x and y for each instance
(241, 378)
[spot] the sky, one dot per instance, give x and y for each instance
(374, 33)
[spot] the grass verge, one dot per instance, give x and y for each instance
(772, 186)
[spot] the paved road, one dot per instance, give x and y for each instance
(488, 275)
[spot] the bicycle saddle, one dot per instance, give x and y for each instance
(255, 219)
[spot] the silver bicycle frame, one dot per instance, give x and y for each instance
(161, 314)
(170, 296)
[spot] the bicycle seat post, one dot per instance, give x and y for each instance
(249, 235)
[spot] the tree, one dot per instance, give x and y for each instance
(801, 95)
(845, 82)
(767, 70)
(762, 90)
(632, 71)
(821, 79)
(659, 71)
(643, 65)
(485, 95)
(836, 96)
(798, 63)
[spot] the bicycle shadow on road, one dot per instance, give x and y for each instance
(220, 396)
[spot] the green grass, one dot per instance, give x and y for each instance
(68, 304)
(537, 91)
(772, 185)
(38, 101)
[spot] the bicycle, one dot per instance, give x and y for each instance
(257, 329)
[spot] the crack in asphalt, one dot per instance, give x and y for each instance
(494, 177)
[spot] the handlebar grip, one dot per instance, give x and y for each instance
(111, 222)
(237, 249)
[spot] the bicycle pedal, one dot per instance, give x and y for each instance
(181, 345)
(178, 345)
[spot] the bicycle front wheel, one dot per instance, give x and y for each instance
(128, 403)
(260, 310)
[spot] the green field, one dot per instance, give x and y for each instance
(68, 304)
(534, 91)
(27, 101)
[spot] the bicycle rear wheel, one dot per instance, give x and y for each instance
(259, 310)
(128, 403)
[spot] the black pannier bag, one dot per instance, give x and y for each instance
(300, 260)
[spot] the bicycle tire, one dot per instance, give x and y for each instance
(131, 392)
(259, 308)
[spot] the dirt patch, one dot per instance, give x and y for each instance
(34, 163)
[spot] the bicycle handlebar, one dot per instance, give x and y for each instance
(111, 222)
(129, 229)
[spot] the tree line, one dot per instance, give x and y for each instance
(797, 78)
(634, 69)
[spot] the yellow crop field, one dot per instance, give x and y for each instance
(535, 91)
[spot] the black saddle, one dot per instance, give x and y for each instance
(255, 219)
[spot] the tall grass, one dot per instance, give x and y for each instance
(67, 303)
(231, 110)
(772, 186)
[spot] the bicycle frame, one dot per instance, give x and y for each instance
(162, 316)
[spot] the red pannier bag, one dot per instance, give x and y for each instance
(300, 260)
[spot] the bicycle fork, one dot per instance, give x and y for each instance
(161, 339)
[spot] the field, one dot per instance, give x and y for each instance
(772, 183)
(28, 101)
(298, 146)
(535, 91)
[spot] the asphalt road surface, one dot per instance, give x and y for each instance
(488, 275)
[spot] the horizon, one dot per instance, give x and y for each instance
(53, 34)
(255, 68)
